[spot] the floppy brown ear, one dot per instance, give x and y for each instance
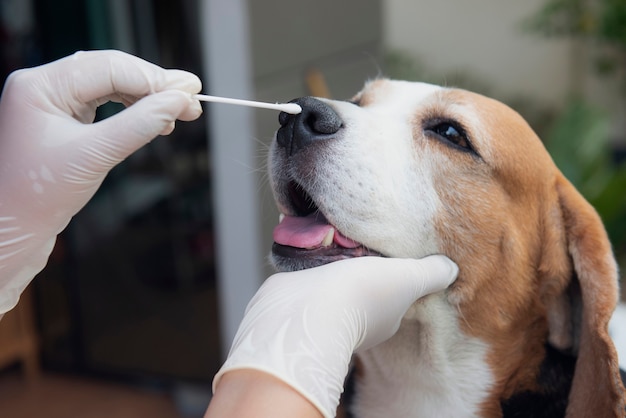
(588, 294)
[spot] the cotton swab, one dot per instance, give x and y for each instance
(291, 108)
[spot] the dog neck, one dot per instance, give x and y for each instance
(428, 368)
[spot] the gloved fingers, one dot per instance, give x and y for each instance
(189, 114)
(116, 137)
(412, 278)
(115, 72)
(76, 85)
(125, 99)
(388, 287)
(369, 281)
(168, 129)
(86, 112)
(428, 275)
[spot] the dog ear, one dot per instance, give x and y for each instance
(584, 289)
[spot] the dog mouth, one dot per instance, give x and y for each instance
(305, 238)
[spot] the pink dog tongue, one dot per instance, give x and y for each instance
(308, 232)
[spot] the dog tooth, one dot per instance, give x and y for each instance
(328, 239)
(281, 216)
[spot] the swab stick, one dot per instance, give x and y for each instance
(292, 108)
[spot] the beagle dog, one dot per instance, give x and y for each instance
(411, 169)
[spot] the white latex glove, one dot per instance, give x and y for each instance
(53, 158)
(303, 327)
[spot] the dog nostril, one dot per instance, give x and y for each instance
(283, 118)
(322, 123)
(316, 121)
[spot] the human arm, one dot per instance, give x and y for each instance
(252, 393)
(301, 329)
(53, 157)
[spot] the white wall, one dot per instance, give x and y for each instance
(484, 38)
(228, 72)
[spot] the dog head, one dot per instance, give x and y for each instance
(411, 169)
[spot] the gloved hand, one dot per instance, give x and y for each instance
(53, 158)
(303, 327)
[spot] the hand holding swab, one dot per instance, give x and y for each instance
(292, 108)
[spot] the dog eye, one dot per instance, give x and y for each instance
(450, 132)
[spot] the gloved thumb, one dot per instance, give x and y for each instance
(387, 287)
(118, 136)
(407, 278)
(428, 275)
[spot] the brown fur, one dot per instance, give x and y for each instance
(522, 238)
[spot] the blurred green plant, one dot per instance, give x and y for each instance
(580, 138)
(602, 22)
(579, 145)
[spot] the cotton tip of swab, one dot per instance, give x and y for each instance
(291, 108)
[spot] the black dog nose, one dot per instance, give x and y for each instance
(316, 121)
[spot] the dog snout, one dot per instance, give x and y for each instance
(317, 121)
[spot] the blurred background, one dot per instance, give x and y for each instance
(142, 295)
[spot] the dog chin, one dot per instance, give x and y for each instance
(284, 258)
